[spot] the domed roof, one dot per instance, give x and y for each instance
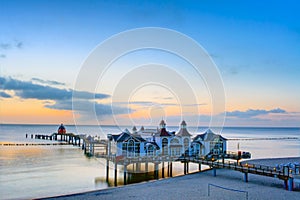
(162, 122)
(142, 128)
(183, 123)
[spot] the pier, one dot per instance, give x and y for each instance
(229, 160)
(101, 148)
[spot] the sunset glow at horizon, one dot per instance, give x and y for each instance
(255, 46)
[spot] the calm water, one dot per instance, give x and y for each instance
(40, 171)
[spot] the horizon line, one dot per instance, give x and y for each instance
(45, 124)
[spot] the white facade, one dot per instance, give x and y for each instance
(208, 143)
(151, 142)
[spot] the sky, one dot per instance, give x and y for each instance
(254, 45)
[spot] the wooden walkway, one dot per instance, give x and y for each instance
(286, 174)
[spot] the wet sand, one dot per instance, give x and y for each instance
(197, 186)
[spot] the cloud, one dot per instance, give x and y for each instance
(2, 56)
(48, 82)
(153, 103)
(88, 108)
(29, 90)
(19, 45)
(10, 45)
(61, 99)
(251, 113)
(4, 94)
(5, 46)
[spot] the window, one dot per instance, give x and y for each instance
(165, 146)
(130, 149)
(124, 149)
(137, 148)
(186, 143)
(216, 146)
(150, 150)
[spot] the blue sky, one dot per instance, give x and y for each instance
(255, 45)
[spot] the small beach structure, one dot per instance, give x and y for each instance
(61, 129)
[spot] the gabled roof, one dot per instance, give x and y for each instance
(124, 136)
(197, 142)
(162, 123)
(183, 123)
(152, 143)
(208, 136)
(164, 133)
(183, 132)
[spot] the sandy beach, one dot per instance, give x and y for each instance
(197, 186)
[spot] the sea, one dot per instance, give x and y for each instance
(36, 171)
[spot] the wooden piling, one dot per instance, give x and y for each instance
(107, 170)
(246, 177)
(171, 169)
(187, 167)
(125, 174)
(156, 170)
(116, 173)
(163, 170)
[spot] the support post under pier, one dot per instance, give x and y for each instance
(163, 170)
(125, 174)
(171, 169)
(116, 173)
(187, 167)
(246, 177)
(290, 184)
(146, 167)
(107, 170)
(156, 170)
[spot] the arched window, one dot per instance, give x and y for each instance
(165, 146)
(130, 148)
(186, 143)
(150, 150)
